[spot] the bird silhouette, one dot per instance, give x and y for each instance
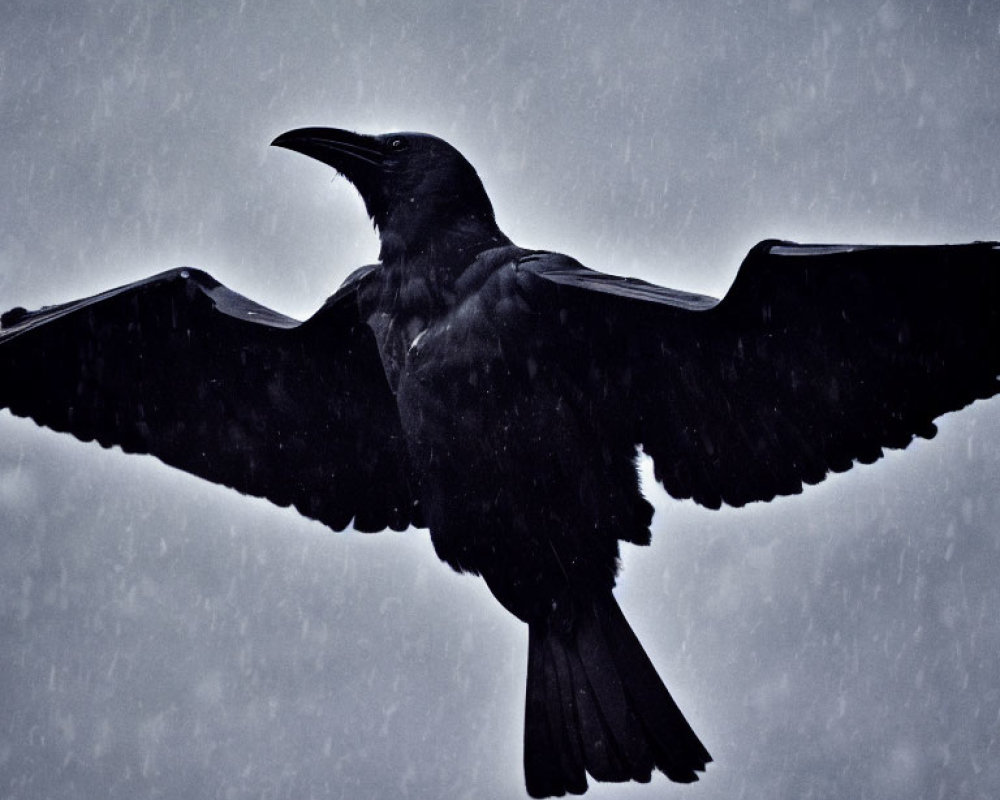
(498, 396)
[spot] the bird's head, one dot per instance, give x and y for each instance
(416, 187)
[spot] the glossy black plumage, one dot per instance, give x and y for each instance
(179, 366)
(497, 395)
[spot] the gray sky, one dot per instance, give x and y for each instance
(162, 637)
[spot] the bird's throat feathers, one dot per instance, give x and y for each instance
(437, 253)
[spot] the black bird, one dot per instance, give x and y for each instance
(498, 395)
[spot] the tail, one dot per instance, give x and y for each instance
(595, 704)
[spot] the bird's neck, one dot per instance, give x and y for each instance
(417, 285)
(460, 239)
(422, 268)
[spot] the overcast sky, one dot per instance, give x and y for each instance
(160, 637)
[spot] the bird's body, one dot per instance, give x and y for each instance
(492, 432)
(498, 395)
(526, 478)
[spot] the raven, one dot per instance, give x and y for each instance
(498, 397)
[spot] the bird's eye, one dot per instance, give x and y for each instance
(397, 144)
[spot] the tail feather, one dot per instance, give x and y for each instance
(611, 703)
(595, 704)
(677, 751)
(602, 756)
(563, 720)
(548, 770)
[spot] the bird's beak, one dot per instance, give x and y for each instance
(348, 153)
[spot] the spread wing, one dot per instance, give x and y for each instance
(817, 358)
(207, 381)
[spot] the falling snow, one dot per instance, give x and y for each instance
(164, 638)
